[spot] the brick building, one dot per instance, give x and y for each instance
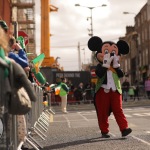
(137, 63)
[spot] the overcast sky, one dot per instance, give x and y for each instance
(69, 26)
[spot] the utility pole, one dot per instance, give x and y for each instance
(79, 56)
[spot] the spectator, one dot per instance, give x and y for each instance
(93, 85)
(131, 92)
(125, 89)
(88, 91)
(136, 90)
(46, 89)
(70, 85)
(21, 59)
(78, 92)
(147, 86)
(18, 54)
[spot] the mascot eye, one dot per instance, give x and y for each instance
(106, 51)
(113, 51)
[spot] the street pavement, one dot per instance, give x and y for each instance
(78, 130)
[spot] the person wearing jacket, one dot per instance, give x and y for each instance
(18, 54)
(61, 82)
(19, 64)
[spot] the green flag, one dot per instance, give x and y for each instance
(20, 39)
(38, 61)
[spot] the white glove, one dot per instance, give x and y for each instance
(107, 60)
(116, 61)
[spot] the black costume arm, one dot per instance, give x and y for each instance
(119, 72)
(100, 71)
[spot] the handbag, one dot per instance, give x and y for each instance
(19, 102)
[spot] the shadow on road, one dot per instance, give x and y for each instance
(79, 142)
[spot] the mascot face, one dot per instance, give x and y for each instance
(95, 43)
(107, 48)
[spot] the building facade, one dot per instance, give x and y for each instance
(5, 11)
(137, 63)
(19, 16)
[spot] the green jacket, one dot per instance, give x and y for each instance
(63, 89)
(116, 80)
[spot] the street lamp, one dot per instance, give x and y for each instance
(91, 16)
(126, 13)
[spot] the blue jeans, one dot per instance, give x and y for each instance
(125, 95)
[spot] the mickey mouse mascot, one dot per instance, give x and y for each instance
(108, 93)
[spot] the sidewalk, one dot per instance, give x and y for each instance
(136, 103)
(82, 106)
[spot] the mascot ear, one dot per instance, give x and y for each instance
(123, 47)
(95, 43)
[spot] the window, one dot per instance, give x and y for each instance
(149, 31)
(140, 59)
(139, 39)
(142, 36)
(126, 65)
(146, 55)
(145, 33)
(143, 57)
(129, 64)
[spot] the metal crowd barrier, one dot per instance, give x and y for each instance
(37, 123)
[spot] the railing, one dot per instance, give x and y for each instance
(36, 122)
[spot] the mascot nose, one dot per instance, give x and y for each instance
(111, 54)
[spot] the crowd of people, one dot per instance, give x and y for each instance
(135, 91)
(13, 52)
(83, 93)
(64, 91)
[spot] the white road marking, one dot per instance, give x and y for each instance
(136, 114)
(145, 142)
(127, 109)
(128, 116)
(132, 125)
(84, 117)
(147, 114)
(68, 122)
(147, 131)
(112, 117)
